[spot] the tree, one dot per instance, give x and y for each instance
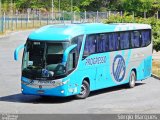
(34, 4)
(138, 6)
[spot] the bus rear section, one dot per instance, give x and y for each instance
(116, 58)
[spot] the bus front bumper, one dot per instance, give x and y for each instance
(54, 88)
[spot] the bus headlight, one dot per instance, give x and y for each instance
(25, 80)
(62, 91)
(65, 82)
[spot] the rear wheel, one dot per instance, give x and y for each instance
(132, 79)
(85, 90)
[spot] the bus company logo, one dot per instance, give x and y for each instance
(96, 60)
(45, 73)
(119, 68)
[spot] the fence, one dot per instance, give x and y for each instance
(11, 22)
(26, 21)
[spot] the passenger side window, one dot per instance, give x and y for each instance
(102, 43)
(106, 42)
(124, 40)
(90, 45)
(113, 41)
(146, 38)
(74, 54)
(77, 40)
(135, 39)
(72, 60)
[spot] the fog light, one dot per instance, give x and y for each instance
(65, 82)
(62, 91)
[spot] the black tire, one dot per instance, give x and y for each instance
(85, 90)
(132, 79)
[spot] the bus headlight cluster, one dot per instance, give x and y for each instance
(65, 82)
(62, 91)
(25, 80)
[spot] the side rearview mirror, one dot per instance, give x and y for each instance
(16, 52)
(66, 53)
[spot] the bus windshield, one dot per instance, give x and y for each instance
(43, 59)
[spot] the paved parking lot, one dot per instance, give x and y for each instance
(144, 98)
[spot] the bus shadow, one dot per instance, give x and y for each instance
(20, 98)
(112, 89)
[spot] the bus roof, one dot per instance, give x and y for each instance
(66, 32)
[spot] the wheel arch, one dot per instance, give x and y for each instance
(135, 71)
(87, 79)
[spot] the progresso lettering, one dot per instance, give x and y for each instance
(96, 60)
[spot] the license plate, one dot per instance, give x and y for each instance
(40, 91)
(40, 82)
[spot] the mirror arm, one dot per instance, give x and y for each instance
(16, 52)
(66, 53)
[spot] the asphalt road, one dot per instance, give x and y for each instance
(144, 98)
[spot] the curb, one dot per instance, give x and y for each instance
(155, 76)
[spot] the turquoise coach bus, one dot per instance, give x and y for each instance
(74, 59)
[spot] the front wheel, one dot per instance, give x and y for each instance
(85, 90)
(132, 79)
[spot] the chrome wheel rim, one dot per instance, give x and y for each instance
(83, 90)
(132, 80)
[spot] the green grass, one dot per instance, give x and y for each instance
(156, 67)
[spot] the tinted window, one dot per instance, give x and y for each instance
(105, 42)
(78, 40)
(102, 43)
(124, 40)
(135, 39)
(146, 38)
(113, 41)
(90, 45)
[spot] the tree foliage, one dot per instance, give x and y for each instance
(155, 23)
(138, 6)
(126, 6)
